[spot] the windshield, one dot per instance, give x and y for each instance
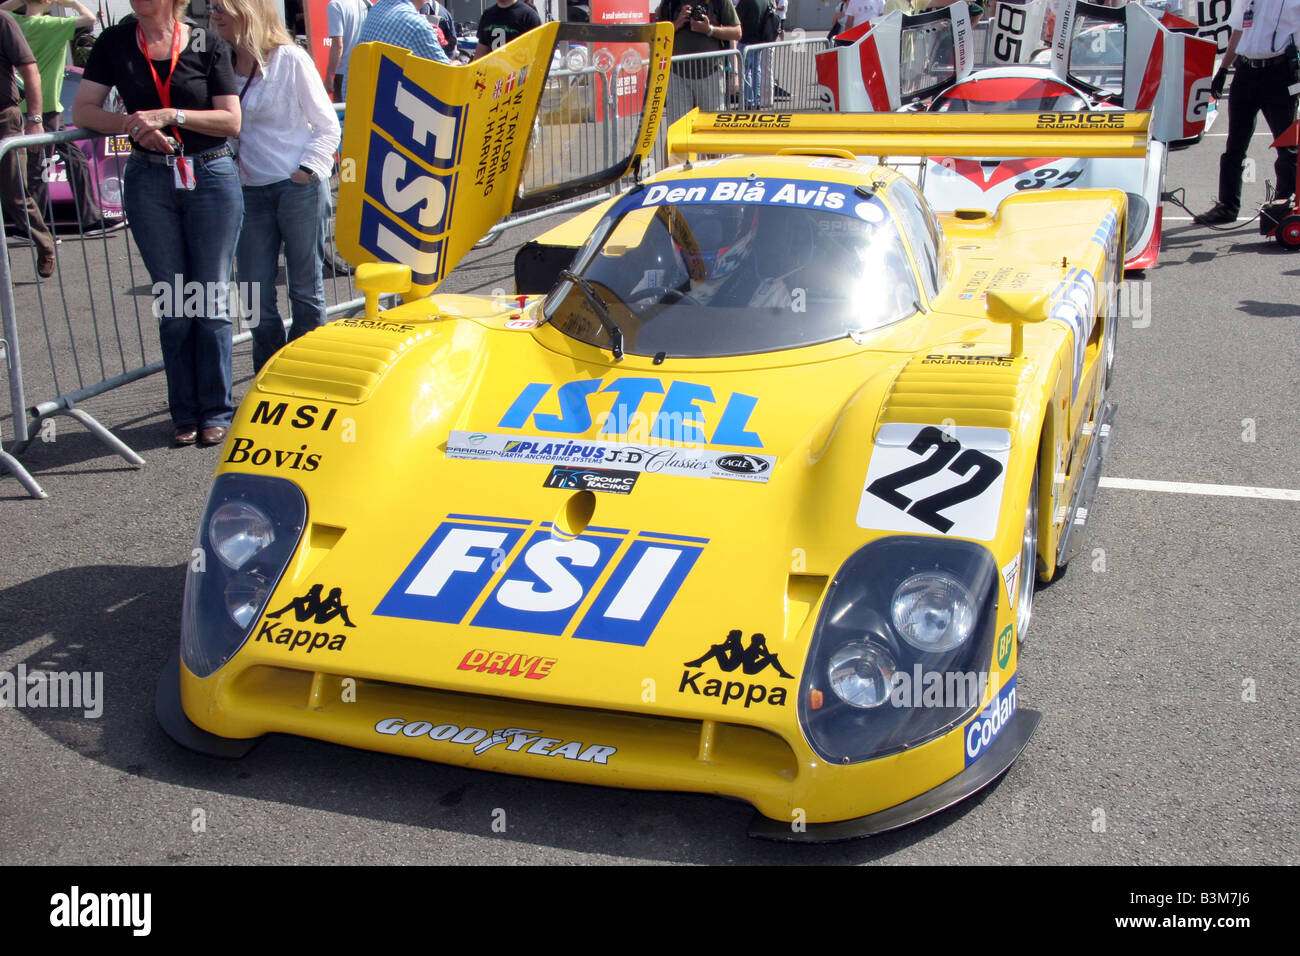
(716, 267)
(1009, 95)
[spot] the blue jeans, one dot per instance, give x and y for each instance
(756, 66)
(293, 215)
(188, 237)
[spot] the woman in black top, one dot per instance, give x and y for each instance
(182, 193)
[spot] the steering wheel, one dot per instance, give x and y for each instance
(663, 293)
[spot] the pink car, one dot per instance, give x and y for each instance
(106, 158)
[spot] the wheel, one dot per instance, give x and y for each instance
(1028, 563)
(1288, 233)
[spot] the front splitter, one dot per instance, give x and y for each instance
(170, 713)
(993, 764)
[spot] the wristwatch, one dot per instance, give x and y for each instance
(311, 173)
(180, 117)
(34, 118)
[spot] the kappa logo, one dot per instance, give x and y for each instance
(536, 579)
(728, 656)
(311, 607)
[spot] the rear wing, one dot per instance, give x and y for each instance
(1096, 134)
(1125, 56)
(434, 155)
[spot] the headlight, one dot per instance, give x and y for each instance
(249, 532)
(933, 612)
(902, 647)
(238, 530)
(246, 595)
(861, 674)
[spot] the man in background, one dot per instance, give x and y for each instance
(702, 27)
(48, 36)
(444, 24)
(343, 20)
(399, 22)
(503, 22)
(16, 55)
(759, 23)
(858, 12)
(1263, 49)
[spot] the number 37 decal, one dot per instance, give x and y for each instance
(924, 479)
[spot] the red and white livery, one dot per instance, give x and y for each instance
(1099, 60)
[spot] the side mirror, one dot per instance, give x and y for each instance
(381, 278)
(1015, 308)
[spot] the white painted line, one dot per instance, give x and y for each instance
(1190, 488)
(1256, 133)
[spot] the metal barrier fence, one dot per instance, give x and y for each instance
(97, 335)
(93, 318)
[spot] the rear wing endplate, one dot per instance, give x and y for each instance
(434, 155)
(1125, 56)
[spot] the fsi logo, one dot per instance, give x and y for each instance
(546, 580)
(415, 147)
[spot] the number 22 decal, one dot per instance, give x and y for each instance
(910, 485)
(978, 468)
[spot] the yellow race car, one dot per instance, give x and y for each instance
(751, 502)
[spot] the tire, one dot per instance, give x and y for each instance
(1288, 233)
(1028, 578)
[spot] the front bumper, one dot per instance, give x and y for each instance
(780, 779)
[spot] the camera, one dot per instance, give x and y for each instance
(699, 12)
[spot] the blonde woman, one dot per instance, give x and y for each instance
(286, 154)
(182, 194)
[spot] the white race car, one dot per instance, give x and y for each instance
(1102, 61)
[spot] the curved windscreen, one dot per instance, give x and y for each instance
(718, 267)
(1010, 94)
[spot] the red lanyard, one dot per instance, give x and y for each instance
(165, 91)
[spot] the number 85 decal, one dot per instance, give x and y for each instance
(949, 482)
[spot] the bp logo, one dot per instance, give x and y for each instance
(1004, 647)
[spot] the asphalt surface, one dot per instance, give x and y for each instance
(1139, 657)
